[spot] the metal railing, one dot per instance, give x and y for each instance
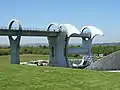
(26, 29)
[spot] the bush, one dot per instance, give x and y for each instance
(4, 52)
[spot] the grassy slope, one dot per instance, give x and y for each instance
(22, 77)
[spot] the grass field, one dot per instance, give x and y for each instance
(23, 77)
(26, 57)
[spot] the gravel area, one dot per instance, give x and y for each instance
(109, 62)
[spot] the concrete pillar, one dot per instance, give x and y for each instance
(15, 43)
(87, 44)
(58, 47)
(58, 50)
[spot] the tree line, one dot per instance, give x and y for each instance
(105, 50)
(44, 50)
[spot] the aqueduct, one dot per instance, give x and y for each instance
(58, 40)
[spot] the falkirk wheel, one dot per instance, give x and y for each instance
(59, 45)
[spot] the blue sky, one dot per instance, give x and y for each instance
(103, 14)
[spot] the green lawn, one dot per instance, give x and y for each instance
(26, 57)
(23, 77)
(29, 57)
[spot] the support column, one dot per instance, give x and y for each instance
(58, 50)
(87, 44)
(58, 47)
(91, 34)
(15, 49)
(15, 43)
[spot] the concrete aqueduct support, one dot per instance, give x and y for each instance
(58, 46)
(87, 42)
(15, 43)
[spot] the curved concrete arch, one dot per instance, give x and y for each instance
(19, 26)
(52, 24)
(94, 31)
(69, 29)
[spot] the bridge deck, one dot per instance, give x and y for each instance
(34, 32)
(7, 32)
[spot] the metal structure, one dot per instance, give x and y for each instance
(58, 40)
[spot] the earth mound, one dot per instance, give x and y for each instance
(109, 62)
